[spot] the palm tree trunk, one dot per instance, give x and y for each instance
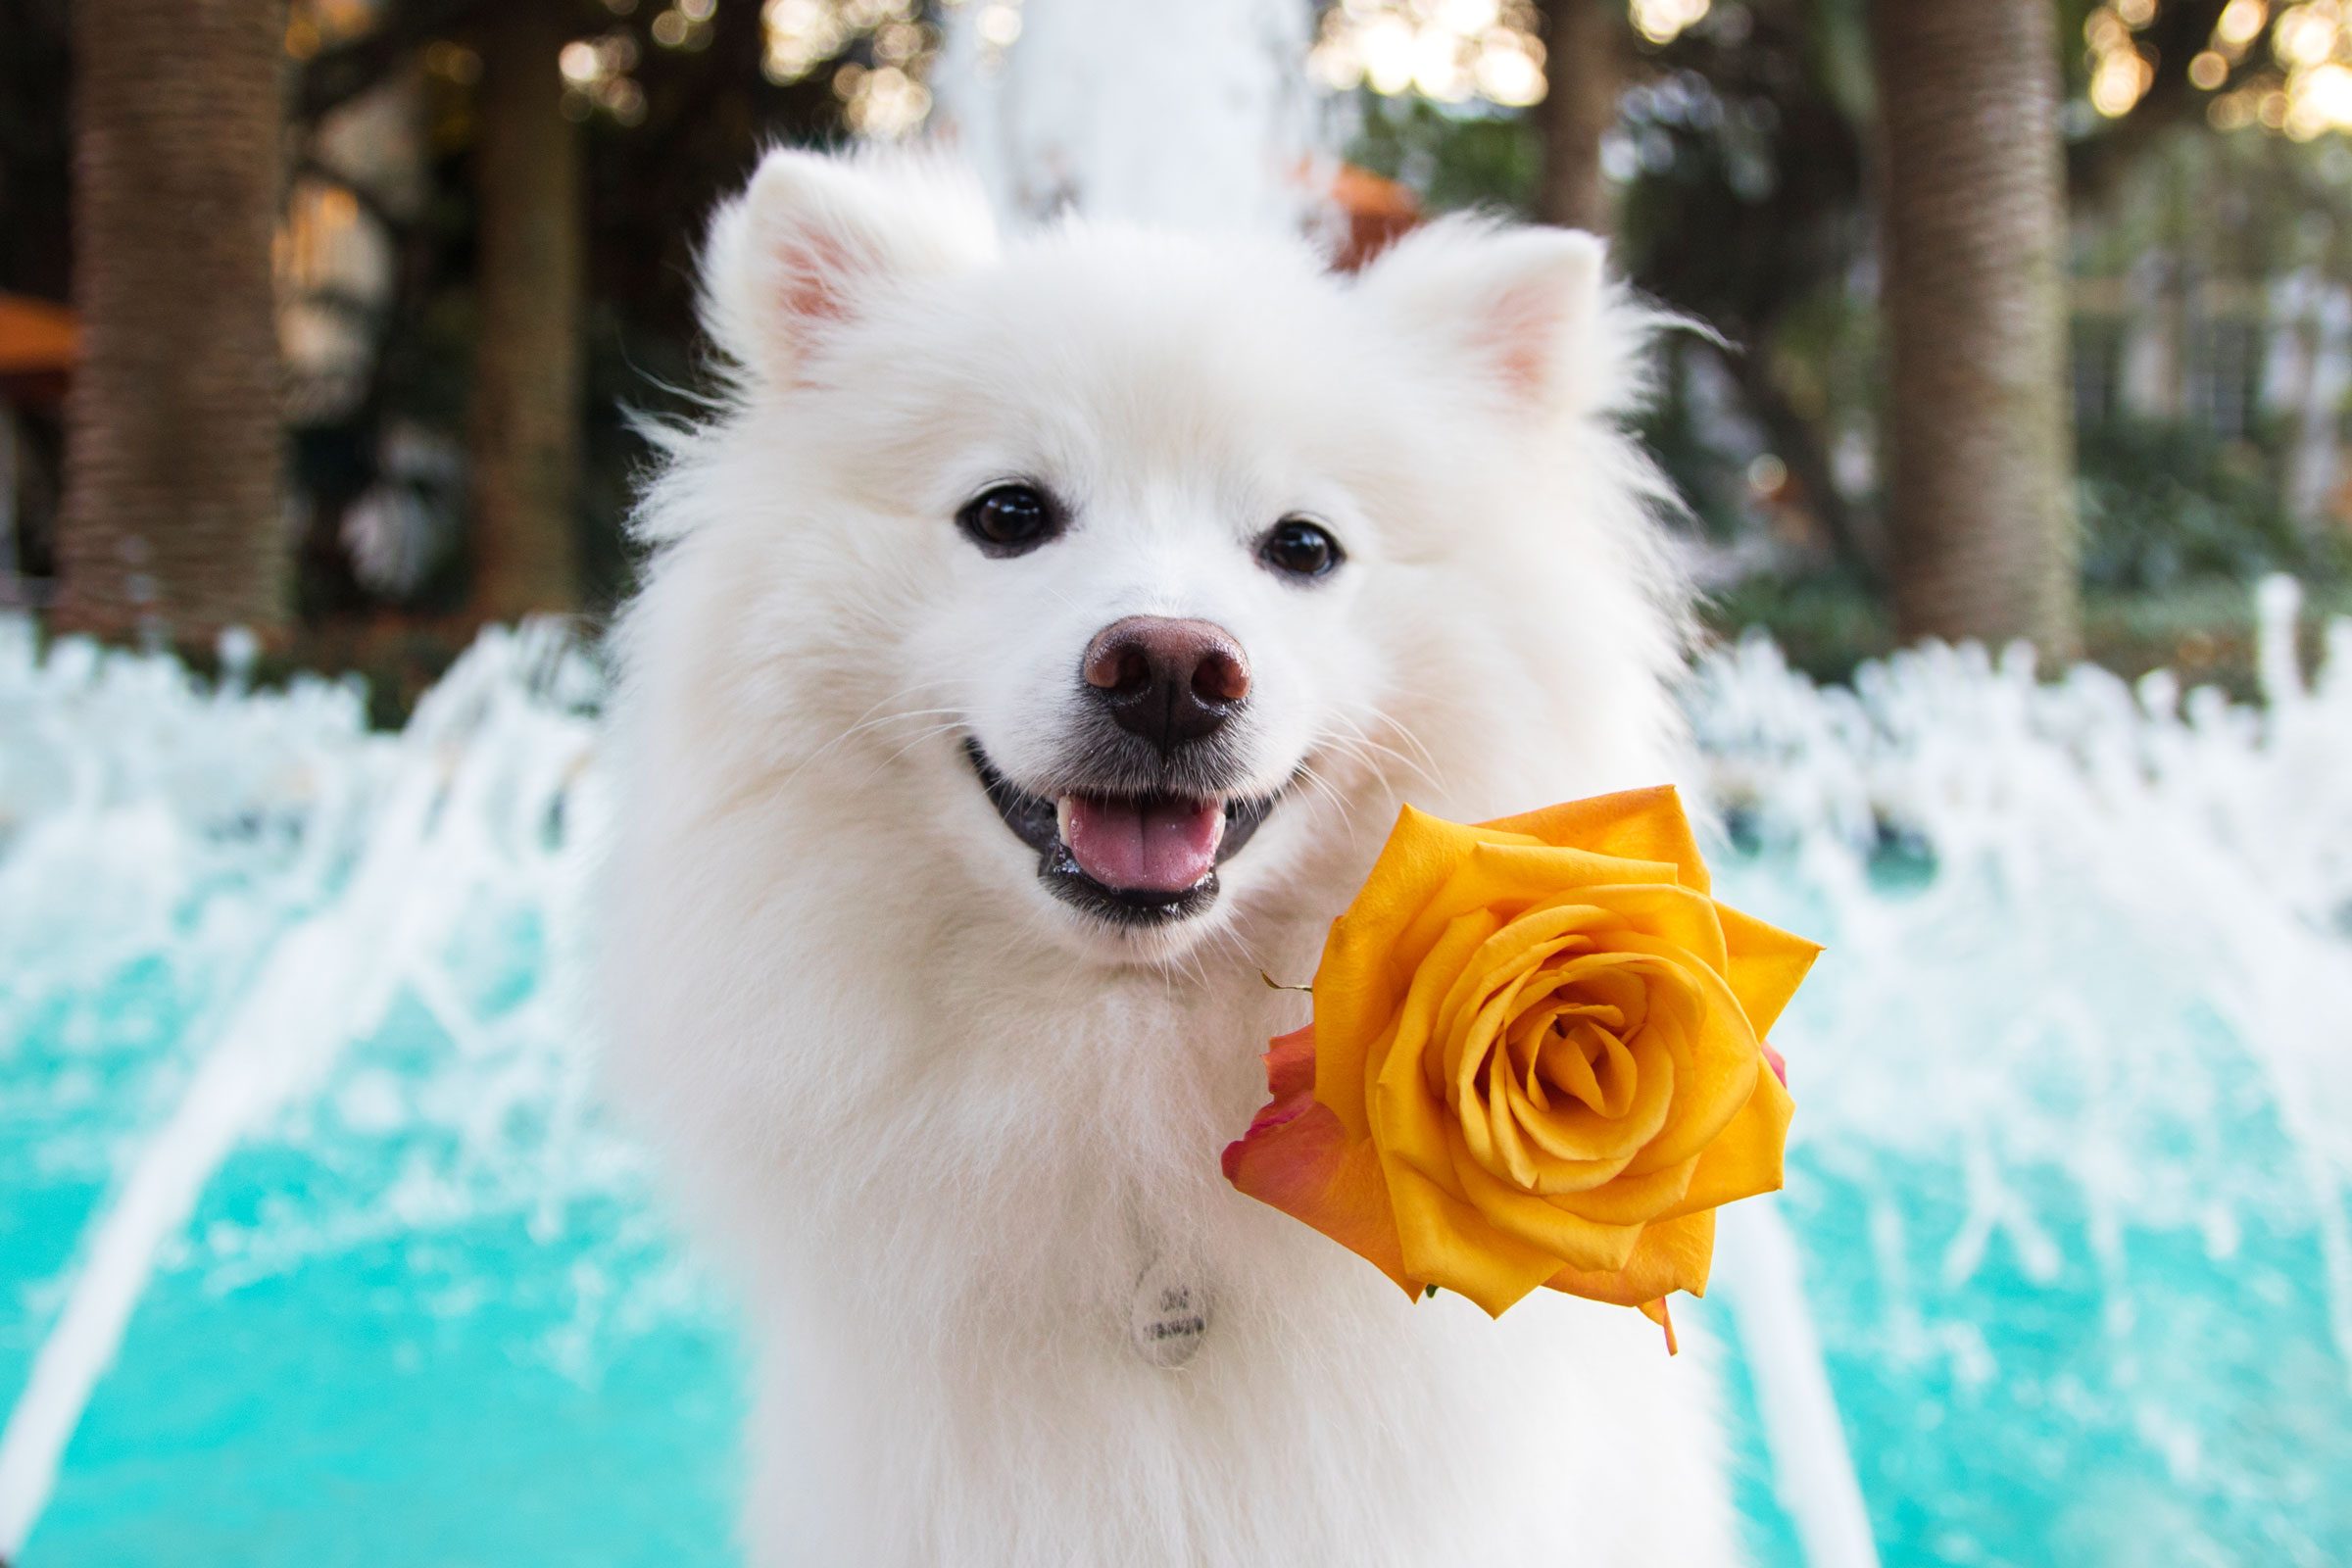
(1981, 438)
(528, 387)
(172, 525)
(1583, 46)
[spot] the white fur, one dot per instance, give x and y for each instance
(938, 1123)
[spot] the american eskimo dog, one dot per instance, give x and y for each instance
(1037, 646)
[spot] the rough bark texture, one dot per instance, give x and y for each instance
(172, 523)
(527, 391)
(1981, 439)
(1583, 46)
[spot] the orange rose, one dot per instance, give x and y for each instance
(1537, 1057)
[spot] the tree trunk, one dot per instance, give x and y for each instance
(527, 390)
(172, 525)
(1980, 441)
(1582, 50)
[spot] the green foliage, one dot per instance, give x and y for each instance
(1825, 623)
(1711, 481)
(1462, 156)
(2240, 204)
(2163, 505)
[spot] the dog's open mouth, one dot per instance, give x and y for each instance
(1136, 860)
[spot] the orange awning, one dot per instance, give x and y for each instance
(1379, 212)
(1365, 194)
(36, 337)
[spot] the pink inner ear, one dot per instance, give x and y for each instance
(1518, 332)
(815, 266)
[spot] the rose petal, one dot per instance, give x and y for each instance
(1656, 1312)
(1689, 921)
(1511, 878)
(1291, 1062)
(1718, 1071)
(1766, 965)
(1637, 824)
(1407, 1115)
(1508, 962)
(1589, 1140)
(1536, 1222)
(1674, 1254)
(1365, 970)
(1745, 1160)
(1633, 1200)
(1447, 1243)
(1296, 1157)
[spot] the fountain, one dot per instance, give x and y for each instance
(2075, 1132)
(1199, 115)
(268, 845)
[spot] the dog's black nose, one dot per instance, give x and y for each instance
(1167, 681)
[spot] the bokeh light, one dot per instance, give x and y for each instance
(597, 77)
(1664, 20)
(884, 96)
(1448, 51)
(2121, 73)
(2300, 84)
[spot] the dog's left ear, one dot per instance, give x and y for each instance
(814, 240)
(1521, 312)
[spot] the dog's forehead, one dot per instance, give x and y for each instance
(1166, 354)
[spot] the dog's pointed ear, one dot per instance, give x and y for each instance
(813, 240)
(1520, 312)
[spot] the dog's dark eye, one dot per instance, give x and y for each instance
(1011, 519)
(1300, 549)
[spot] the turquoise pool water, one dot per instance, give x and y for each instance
(2068, 1215)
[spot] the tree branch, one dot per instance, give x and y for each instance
(334, 77)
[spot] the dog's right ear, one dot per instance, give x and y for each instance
(816, 239)
(1525, 313)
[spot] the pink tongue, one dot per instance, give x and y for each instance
(1163, 846)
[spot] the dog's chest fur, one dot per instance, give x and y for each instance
(957, 1266)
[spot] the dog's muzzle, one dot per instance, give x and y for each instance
(1131, 855)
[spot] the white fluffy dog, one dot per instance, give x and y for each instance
(1037, 646)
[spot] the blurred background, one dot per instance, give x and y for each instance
(322, 329)
(419, 273)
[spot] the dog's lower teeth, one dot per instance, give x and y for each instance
(1062, 807)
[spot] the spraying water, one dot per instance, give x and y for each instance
(363, 852)
(1198, 115)
(2075, 1062)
